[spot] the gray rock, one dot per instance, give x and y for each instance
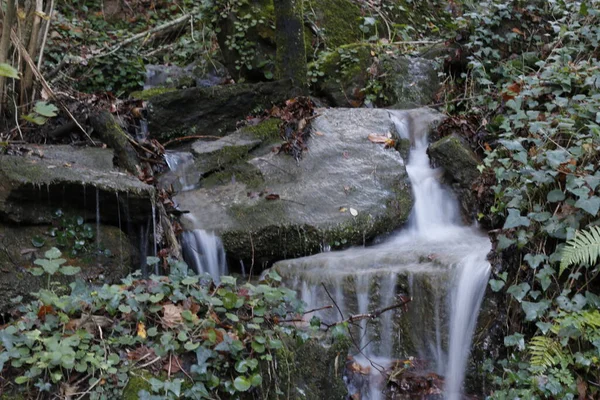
(212, 156)
(460, 165)
(410, 81)
(34, 185)
(458, 160)
(211, 111)
(345, 190)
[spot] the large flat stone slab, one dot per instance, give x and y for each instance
(345, 190)
(37, 182)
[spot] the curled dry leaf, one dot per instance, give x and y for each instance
(172, 315)
(272, 196)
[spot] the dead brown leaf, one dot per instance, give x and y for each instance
(172, 315)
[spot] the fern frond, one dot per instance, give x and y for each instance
(545, 352)
(583, 248)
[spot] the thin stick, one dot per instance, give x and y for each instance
(141, 35)
(318, 309)
(89, 390)
(46, 29)
(23, 52)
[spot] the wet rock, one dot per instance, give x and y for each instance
(409, 81)
(345, 190)
(204, 73)
(33, 185)
(457, 159)
(215, 155)
(354, 73)
(460, 165)
(108, 265)
(210, 111)
(310, 371)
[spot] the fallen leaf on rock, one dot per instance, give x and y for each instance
(319, 133)
(378, 138)
(343, 209)
(272, 196)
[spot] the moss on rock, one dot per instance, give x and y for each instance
(342, 74)
(150, 93)
(267, 130)
(338, 20)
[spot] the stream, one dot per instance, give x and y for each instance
(435, 261)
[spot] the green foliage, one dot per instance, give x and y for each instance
(533, 82)
(211, 338)
(584, 248)
(72, 233)
(42, 111)
(8, 71)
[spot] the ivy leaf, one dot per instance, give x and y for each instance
(591, 205)
(515, 219)
(68, 270)
(519, 291)
(515, 340)
(241, 384)
(534, 260)
(45, 109)
(496, 285)
(555, 196)
(34, 119)
(534, 310)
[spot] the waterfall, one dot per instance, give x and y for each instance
(204, 253)
(435, 216)
(435, 259)
(182, 174)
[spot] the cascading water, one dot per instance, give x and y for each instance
(204, 253)
(436, 261)
(182, 175)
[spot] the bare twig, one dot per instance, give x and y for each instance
(178, 21)
(23, 52)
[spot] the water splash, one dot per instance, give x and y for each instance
(204, 253)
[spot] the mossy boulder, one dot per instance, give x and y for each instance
(33, 185)
(409, 81)
(307, 370)
(340, 75)
(460, 166)
(348, 75)
(456, 158)
(211, 111)
(344, 191)
(105, 259)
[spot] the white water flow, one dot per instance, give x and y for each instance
(204, 253)
(436, 261)
(182, 175)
